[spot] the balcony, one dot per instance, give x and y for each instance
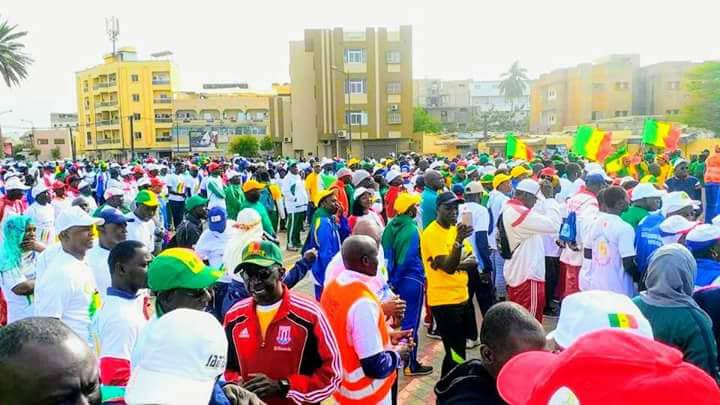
(106, 123)
(106, 105)
(162, 100)
(104, 85)
(163, 138)
(163, 120)
(109, 141)
(161, 80)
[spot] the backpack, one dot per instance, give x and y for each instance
(568, 230)
(502, 240)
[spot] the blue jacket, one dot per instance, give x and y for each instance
(707, 271)
(411, 267)
(324, 236)
(648, 239)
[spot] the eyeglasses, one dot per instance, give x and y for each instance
(257, 275)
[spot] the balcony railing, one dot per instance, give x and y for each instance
(160, 138)
(107, 122)
(106, 104)
(161, 81)
(163, 119)
(162, 100)
(103, 85)
(111, 141)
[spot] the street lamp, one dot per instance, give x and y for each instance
(348, 116)
(2, 144)
(32, 133)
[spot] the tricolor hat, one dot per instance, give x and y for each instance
(180, 268)
(180, 357)
(606, 367)
(588, 311)
(147, 197)
(702, 237)
(261, 253)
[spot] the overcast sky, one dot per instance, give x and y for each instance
(247, 41)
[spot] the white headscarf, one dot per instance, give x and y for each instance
(249, 228)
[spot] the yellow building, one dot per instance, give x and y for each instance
(351, 92)
(125, 104)
(614, 86)
(208, 120)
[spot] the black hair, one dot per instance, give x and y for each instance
(122, 252)
(613, 195)
(601, 198)
(47, 331)
(357, 209)
(503, 320)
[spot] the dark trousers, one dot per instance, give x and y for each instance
(480, 286)
(454, 324)
(294, 226)
(411, 291)
(552, 276)
(177, 211)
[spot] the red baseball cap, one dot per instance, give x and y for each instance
(155, 182)
(606, 367)
(57, 185)
(138, 170)
(548, 171)
(213, 166)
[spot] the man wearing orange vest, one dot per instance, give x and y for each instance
(712, 185)
(370, 354)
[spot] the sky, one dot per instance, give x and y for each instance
(244, 41)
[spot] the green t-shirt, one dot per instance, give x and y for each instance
(260, 208)
(633, 215)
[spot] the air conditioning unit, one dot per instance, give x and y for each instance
(327, 142)
(287, 140)
(394, 107)
(342, 134)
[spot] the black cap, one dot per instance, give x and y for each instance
(448, 198)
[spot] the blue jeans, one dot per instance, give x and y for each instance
(498, 265)
(411, 291)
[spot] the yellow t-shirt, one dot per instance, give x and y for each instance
(442, 288)
(265, 314)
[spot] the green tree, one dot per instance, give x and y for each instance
(55, 153)
(267, 144)
(514, 82)
(245, 145)
(702, 110)
(34, 152)
(500, 121)
(423, 122)
(13, 61)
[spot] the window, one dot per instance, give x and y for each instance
(134, 78)
(356, 86)
(88, 138)
(163, 136)
(392, 57)
(355, 55)
(673, 85)
(622, 86)
(138, 135)
(597, 115)
(58, 142)
(621, 113)
(42, 141)
(136, 116)
(356, 118)
(136, 97)
(394, 117)
(672, 112)
(551, 94)
(598, 86)
(393, 88)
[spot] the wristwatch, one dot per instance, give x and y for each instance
(457, 244)
(284, 387)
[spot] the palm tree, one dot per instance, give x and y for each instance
(13, 61)
(514, 81)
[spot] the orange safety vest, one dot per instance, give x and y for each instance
(712, 168)
(355, 388)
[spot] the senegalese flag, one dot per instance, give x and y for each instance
(517, 149)
(592, 143)
(614, 163)
(660, 134)
(622, 321)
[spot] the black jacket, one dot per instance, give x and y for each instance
(468, 383)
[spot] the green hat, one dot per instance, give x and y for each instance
(194, 202)
(148, 198)
(471, 168)
(262, 253)
(180, 268)
(484, 159)
(488, 178)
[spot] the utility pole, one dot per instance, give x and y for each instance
(132, 138)
(177, 136)
(72, 142)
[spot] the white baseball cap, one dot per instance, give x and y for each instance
(360, 191)
(590, 311)
(343, 172)
(674, 226)
(675, 201)
(716, 221)
(645, 190)
(529, 186)
(143, 181)
(75, 216)
(38, 189)
(392, 175)
(14, 183)
(231, 173)
(113, 191)
(178, 359)
(702, 236)
(359, 176)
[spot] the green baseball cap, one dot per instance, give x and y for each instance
(194, 202)
(180, 268)
(262, 253)
(148, 198)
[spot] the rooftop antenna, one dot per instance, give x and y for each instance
(112, 28)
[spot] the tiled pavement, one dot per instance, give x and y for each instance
(411, 390)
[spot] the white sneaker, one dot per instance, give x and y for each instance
(471, 344)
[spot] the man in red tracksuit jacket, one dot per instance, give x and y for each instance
(281, 345)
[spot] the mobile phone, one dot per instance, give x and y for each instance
(467, 218)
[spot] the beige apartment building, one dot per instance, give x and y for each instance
(614, 86)
(351, 92)
(52, 143)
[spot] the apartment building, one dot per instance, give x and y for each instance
(351, 92)
(125, 104)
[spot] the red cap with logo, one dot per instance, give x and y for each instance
(606, 367)
(212, 167)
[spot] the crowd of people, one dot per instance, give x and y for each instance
(172, 282)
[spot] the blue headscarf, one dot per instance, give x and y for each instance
(11, 249)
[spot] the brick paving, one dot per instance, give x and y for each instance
(411, 390)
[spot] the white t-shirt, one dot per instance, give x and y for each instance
(45, 259)
(141, 231)
(97, 259)
(568, 189)
(119, 324)
(192, 183)
(67, 291)
(18, 306)
(611, 239)
(43, 217)
(60, 205)
(378, 283)
(480, 223)
(585, 207)
(496, 201)
(362, 318)
(211, 246)
(176, 183)
(215, 201)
